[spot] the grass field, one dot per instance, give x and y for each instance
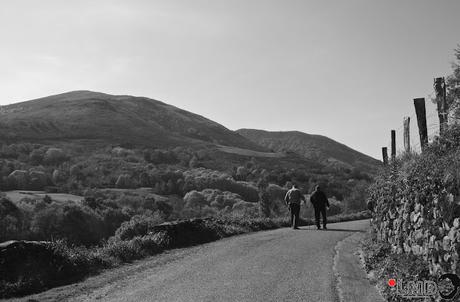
(16, 196)
(247, 152)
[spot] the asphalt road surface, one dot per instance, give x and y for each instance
(278, 265)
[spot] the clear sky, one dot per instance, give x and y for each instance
(345, 69)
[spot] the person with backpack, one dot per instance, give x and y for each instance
(293, 199)
(320, 202)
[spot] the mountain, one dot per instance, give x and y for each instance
(116, 119)
(313, 147)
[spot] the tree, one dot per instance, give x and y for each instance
(55, 156)
(193, 162)
(264, 203)
(124, 182)
(163, 207)
(144, 179)
(77, 223)
(10, 220)
(242, 173)
(194, 199)
(264, 198)
(276, 196)
(171, 187)
(36, 157)
(357, 199)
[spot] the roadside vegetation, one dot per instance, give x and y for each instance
(131, 199)
(416, 226)
(417, 216)
(59, 262)
(119, 183)
(136, 203)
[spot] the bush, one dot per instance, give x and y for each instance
(200, 179)
(70, 221)
(248, 209)
(336, 207)
(276, 202)
(194, 199)
(124, 182)
(36, 157)
(220, 199)
(55, 156)
(29, 267)
(138, 226)
(11, 220)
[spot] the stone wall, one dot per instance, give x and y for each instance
(417, 211)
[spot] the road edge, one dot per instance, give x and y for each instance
(351, 280)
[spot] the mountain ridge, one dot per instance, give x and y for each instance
(140, 121)
(311, 146)
(90, 115)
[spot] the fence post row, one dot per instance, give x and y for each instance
(441, 102)
(406, 123)
(440, 89)
(385, 156)
(393, 145)
(420, 110)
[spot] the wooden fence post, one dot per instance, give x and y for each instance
(385, 156)
(441, 101)
(420, 110)
(406, 123)
(393, 145)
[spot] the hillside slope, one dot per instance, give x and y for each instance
(112, 119)
(314, 147)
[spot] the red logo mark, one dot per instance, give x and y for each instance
(392, 282)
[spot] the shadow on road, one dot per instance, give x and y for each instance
(332, 230)
(346, 230)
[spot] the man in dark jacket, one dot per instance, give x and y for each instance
(293, 198)
(320, 202)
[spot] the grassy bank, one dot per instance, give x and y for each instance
(31, 267)
(417, 215)
(383, 265)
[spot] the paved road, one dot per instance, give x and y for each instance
(278, 265)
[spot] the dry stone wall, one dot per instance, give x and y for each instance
(417, 210)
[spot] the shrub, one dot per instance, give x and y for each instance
(220, 199)
(200, 179)
(11, 220)
(138, 226)
(248, 209)
(78, 224)
(55, 156)
(124, 182)
(336, 207)
(124, 251)
(36, 157)
(30, 267)
(195, 199)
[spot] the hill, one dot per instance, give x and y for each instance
(313, 147)
(86, 115)
(70, 142)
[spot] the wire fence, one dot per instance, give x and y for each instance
(414, 138)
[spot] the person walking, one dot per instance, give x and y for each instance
(293, 198)
(320, 202)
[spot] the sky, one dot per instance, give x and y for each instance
(348, 70)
